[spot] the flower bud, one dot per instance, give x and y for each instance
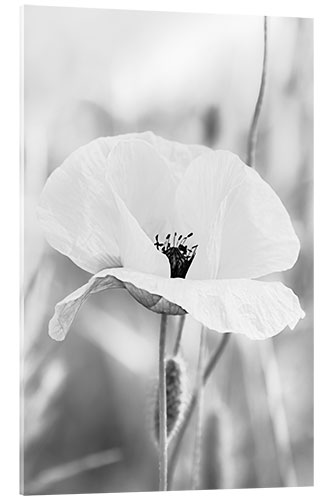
(175, 396)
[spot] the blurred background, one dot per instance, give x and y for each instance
(88, 403)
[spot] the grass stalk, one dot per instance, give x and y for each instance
(192, 404)
(195, 480)
(163, 448)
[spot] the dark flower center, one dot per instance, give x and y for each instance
(179, 254)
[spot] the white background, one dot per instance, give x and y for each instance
(10, 232)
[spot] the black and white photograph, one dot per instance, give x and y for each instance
(167, 327)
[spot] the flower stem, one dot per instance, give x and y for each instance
(198, 431)
(252, 140)
(190, 409)
(268, 360)
(179, 334)
(163, 451)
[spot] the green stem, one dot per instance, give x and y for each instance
(163, 450)
(252, 140)
(190, 409)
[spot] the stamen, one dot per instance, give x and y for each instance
(180, 256)
(185, 239)
(174, 239)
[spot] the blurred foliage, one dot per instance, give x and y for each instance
(88, 403)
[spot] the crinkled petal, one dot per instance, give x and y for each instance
(83, 218)
(142, 179)
(178, 155)
(67, 309)
(256, 309)
(237, 217)
(137, 250)
(78, 214)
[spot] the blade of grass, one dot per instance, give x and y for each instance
(65, 471)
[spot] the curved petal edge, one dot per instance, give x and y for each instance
(253, 308)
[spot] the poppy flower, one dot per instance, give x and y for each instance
(183, 228)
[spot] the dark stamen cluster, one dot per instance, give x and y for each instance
(179, 254)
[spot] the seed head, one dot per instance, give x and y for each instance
(175, 396)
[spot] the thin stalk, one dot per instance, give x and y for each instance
(163, 448)
(179, 334)
(60, 473)
(252, 140)
(277, 413)
(268, 360)
(190, 409)
(195, 483)
(216, 356)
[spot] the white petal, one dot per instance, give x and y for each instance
(84, 219)
(256, 309)
(77, 213)
(67, 309)
(80, 217)
(178, 155)
(137, 251)
(237, 216)
(142, 179)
